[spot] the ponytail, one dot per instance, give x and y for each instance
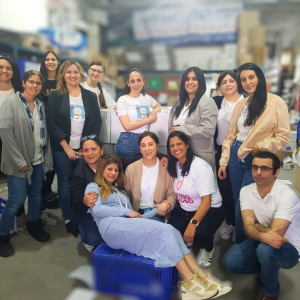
(101, 97)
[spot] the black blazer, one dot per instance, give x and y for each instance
(59, 121)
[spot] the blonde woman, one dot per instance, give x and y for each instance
(72, 112)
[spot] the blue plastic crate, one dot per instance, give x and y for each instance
(116, 270)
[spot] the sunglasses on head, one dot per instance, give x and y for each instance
(88, 137)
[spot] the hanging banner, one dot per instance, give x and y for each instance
(187, 23)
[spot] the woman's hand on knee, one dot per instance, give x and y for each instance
(89, 199)
(134, 214)
(189, 233)
(222, 172)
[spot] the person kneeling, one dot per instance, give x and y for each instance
(270, 212)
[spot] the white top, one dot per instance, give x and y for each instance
(77, 115)
(183, 115)
(136, 109)
(243, 130)
(280, 203)
(148, 184)
(224, 117)
(5, 94)
(38, 150)
(198, 183)
(108, 99)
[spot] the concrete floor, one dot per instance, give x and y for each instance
(40, 270)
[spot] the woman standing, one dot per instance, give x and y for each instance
(195, 114)
(96, 72)
(49, 69)
(72, 112)
(259, 122)
(148, 183)
(200, 212)
(26, 157)
(123, 228)
(227, 85)
(133, 110)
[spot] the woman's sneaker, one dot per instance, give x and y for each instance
(222, 290)
(200, 289)
(204, 258)
(46, 220)
(226, 232)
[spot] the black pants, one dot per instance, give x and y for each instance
(46, 189)
(204, 236)
(225, 191)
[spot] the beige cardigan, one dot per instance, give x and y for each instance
(163, 190)
(270, 132)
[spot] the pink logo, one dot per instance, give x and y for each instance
(179, 184)
(71, 107)
(184, 198)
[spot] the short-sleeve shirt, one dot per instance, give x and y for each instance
(77, 115)
(280, 203)
(136, 109)
(198, 183)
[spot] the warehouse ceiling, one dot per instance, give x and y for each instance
(276, 15)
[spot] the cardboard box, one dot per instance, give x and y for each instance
(297, 170)
(258, 55)
(289, 147)
(244, 58)
(296, 180)
(249, 19)
(288, 165)
(257, 36)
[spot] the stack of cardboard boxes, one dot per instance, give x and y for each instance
(251, 38)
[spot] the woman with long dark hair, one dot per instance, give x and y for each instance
(49, 69)
(195, 114)
(227, 85)
(123, 228)
(199, 212)
(72, 112)
(133, 110)
(96, 72)
(26, 158)
(259, 122)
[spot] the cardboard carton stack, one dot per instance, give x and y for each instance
(251, 38)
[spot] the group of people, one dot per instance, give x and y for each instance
(163, 204)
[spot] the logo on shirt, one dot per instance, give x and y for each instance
(142, 111)
(77, 112)
(184, 198)
(179, 184)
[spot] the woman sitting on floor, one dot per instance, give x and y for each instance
(123, 228)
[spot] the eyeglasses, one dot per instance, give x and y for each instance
(263, 169)
(88, 137)
(31, 82)
(98, 71)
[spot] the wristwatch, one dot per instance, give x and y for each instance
(194, 222)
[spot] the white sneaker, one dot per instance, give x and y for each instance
(46, 220)
(200, 289)
(204, 258)
(226, 232)
(20, 223)
(222, 290)
(233, 235)
(88, 247)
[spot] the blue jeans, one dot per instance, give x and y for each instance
(18, 190)
(89, 231)
(240, 176)
(155, 218)
(128, 144)
(253, 257)
(64, 167)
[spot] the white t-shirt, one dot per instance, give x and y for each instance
(243, 130)
(183, 115)
(136, 109)
(198, 183)
(109, 101)
(77, 115)
(280, 203)
(224, 117)
(148, 184)
(5, 94)
(38, 150)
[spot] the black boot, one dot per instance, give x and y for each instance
(36, 231)
(6, 248)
